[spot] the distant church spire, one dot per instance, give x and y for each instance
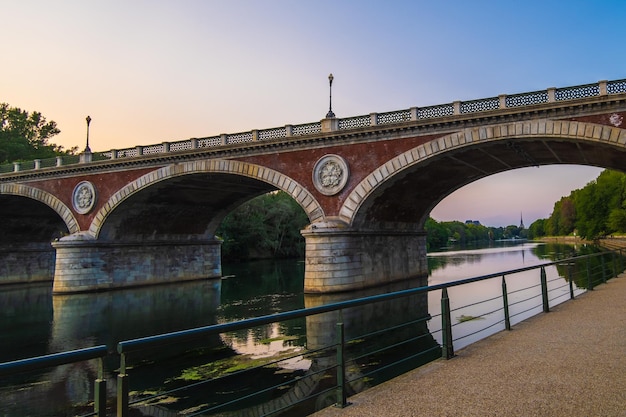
(521, 221)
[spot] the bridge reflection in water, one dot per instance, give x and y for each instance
(81, 320)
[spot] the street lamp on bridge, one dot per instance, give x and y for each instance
(88, 119)
(330, 113)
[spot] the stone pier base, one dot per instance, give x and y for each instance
(85, 264)
(26, 262)
(339, 258)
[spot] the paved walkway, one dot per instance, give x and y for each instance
(569, 362)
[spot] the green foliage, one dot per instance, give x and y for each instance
(24, 135)
(441, 234)
(596, 210)
(267, 226)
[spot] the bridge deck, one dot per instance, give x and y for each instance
(569, 362)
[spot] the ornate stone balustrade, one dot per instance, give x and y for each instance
(551, 95)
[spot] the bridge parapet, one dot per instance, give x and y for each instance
(457, 108)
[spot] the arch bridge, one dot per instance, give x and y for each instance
(148, 214)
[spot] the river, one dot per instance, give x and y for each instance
(35, 322)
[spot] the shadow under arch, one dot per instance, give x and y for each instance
(280, 181)
(441, 166)
(46, 198)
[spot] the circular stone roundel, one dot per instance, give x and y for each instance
(330, 174)
(84, 197)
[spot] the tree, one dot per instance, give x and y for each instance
(25, 135)
(537, 229)
(267, 226)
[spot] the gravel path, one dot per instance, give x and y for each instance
(569, 362)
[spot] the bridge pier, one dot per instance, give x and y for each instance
(341, 258)
(26, 262)
(85, 264)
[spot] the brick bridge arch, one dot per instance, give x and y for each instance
(280, 181)
(46, 198)
(357, 208)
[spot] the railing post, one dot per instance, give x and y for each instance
(100, 392)
(614, 262)
(447, 349)
(544, 291)
(502, 101)
(505, 300)
(589, 280)
(570, 280)
(603, 268)
(456, 108)
(122, 389)
(341, 368)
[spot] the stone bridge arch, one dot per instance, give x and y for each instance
(43, 197)
(531, 143)
(269, 176)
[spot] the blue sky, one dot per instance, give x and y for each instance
(154, 71)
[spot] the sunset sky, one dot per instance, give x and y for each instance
(149, 71)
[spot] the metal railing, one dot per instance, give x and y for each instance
(550, 95)
(352, 356)
(56, 359)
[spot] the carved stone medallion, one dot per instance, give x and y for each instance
(330, 174)
(84, 197)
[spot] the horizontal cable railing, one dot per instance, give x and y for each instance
(346, 356)
(551, 95)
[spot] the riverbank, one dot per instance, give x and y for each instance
(611, 243)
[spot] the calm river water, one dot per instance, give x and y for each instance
(34, 322)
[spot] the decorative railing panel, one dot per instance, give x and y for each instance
(480, 105)
(526, 99)
(394, 117)
(355, 122)
(240, 138)
(307, 129)
(180, 146)
(435, 111)
(266, 134)
(209, 142)
(573, 93)
(149, 150)
(615, 87)
(128, 153)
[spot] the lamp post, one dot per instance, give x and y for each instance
(330, 113)
(88, 119)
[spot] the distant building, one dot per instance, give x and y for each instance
(474, 222)
(521, 221)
